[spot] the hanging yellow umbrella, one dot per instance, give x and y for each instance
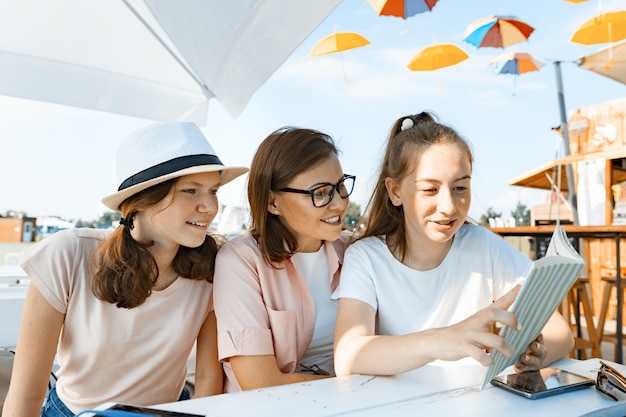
(576, 1)
(338, 42)
(437, 56)
(605, 28)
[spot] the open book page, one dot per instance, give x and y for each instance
(547, 283)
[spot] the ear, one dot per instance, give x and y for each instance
(271, 204)
(392, 190)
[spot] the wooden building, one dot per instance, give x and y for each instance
(17, 229)
(597, 136)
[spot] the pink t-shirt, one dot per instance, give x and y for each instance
(262, 310)
(109, 354)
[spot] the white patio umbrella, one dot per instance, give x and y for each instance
(155, 59)
(609, 62)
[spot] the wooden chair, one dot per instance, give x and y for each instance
(610, 282)
(577, 301)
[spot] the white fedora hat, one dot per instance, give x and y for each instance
(162, 151)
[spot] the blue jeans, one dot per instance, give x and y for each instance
(54, 407)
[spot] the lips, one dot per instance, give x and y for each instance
(198, 224)
(445, 223)
(332, 220)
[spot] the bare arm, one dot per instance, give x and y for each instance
(359, 350)
(262, 371)
(209, 372)
(34, 357)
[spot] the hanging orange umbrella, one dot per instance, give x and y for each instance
(605, 28)
(515, 63)
(338, 42)
(576, 1)
(437, 56)
(401, 8)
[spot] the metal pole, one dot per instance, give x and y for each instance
(571, 187)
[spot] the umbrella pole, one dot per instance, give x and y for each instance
(571, 187)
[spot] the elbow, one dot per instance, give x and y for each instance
(344, 363)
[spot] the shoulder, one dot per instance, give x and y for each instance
(369, 243)
(242, 246)
(373, 247)
(340, 244)
(241, 241)
(478, 238)
(69, 240)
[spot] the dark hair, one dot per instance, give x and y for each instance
(284, 154)
(126, 271)
(402, 153)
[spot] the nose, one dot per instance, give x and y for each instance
(208, 204)
(445, 202)
(337, 201)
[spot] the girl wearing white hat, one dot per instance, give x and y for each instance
(121, 309)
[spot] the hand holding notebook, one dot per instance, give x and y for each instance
(547, 283)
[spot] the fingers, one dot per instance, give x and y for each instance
(533, 358)
(500, 309)
(507, 299)
(479, 345)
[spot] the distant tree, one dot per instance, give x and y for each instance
(484, 219)
(15, 214)
(351, 218)
(521, 214)
(108, 217)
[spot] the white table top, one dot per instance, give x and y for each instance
(430, 390)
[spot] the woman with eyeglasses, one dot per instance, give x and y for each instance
(272, 285)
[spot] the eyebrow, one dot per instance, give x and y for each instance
(320, 184)
(464, 177)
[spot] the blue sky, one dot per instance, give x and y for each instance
(58, 160)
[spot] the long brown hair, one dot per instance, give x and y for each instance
(284, 154)
(126, 271)
(404, 148)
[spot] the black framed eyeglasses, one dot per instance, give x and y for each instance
(611, 382)
(322, 195)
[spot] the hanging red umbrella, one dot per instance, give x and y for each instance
(401, 8)
(497, 32)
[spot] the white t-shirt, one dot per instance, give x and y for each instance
(479, 268)
(109, 354)
(313, 268)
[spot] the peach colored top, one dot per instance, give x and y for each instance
(110, 354)
(262, 310)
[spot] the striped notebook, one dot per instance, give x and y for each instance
(548, 281)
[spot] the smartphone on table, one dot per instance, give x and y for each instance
(542, 383)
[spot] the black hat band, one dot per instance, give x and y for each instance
(168, 167)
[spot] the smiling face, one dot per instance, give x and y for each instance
(311, 225)
(184, 215)
(435, 196)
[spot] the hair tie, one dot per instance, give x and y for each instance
(407, 123)
(127, 222)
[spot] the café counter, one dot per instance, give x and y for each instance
(613, 233)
